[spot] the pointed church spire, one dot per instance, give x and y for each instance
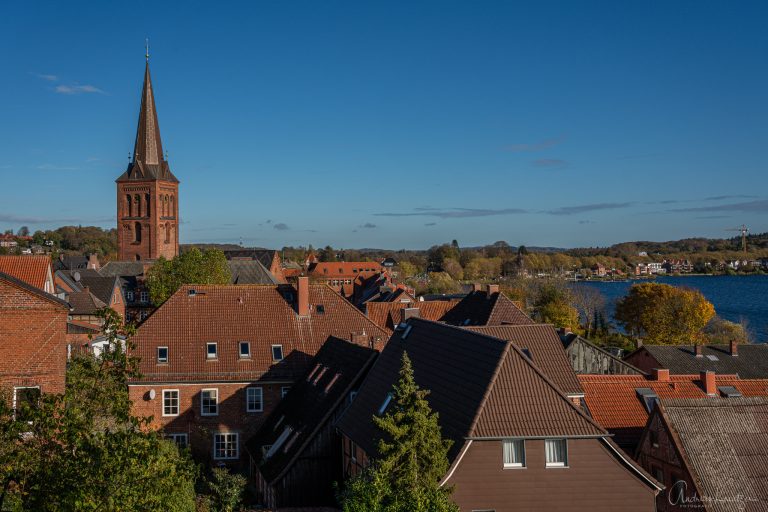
(148, 148)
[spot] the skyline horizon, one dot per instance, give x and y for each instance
(663, 155)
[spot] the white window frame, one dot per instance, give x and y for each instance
(166, 355)
(282, 354)
(208, 355)
(202, 402)
(175, 436)
(284, 390)
(513, 465)
(259, 391)
(178, 401)
(240, 349)
(558, 464)
(129, 295)
(144, 297)
(226, 435)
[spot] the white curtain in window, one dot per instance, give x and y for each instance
(555, 449)
(513, 452)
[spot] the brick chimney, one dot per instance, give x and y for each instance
(359, 338)
(734, 348)
(407, 313)
(697, 349)
(708, 382)
(477, 287)
(302, 305)
(493, 288)
(660, 374)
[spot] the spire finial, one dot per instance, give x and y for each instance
(146, 45)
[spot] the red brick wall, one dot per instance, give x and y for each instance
(153, 220)
(593, 481)
(232, 416)
(33, 349)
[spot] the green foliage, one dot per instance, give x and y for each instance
(413, 457)
(664, 314)
(192, 267)
(406, 269)
(552, 304)
(81, 240)
(441, 282)
(83, 450)
(721, 332)
(226, 490)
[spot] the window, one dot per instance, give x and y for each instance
(648, 396)
(179, 439)
(137, 232)
(557, 453)
(657, 473)
(25, 400)
(385, 404)
(226, 446)
(129, 295)
(162, 354)
(284, 391)
(170, 402)
(320, 309)
(209, 402)
(279, 442)
(245, 349)
(514, 453)
(277, 352)
(211, 350)
(352, 451)
(143, 315)
(254, 399)
(654, 438)
(144, 296)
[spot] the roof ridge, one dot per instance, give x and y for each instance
(489, 388)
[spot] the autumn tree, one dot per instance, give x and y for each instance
(453, 267)
(441, 282)
(412, 457)
(589, 302)
(663, 314)
(552, 304)
(192, 267)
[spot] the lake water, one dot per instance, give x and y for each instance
(734, 297)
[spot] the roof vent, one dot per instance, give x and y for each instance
(191, 292)
(729, 392)
(648, 396)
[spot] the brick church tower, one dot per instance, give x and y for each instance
(147, 192)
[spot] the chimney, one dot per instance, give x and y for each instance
(407, 313)
(639, 343)
(302, 305)
(734, 348)
(359, 338)
(698, 350)
(477, 287)
(493, 288)
(660, 374)
(93, 261)
(708, 383)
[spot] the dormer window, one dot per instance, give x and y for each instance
(211, 350)
(162, 354)
(245, 350)
(649, 398)
(277, 352)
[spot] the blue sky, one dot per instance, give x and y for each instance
(395, 124)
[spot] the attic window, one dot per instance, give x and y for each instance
(385, 404)
(191, 292)
(162, 354)
(279, 442)
(277, 352)
(314, 370)
(648, 396)
(320, 309)
(712, 357)
(466, 322)
(729, 391)
(333, 381)
(293, 440)
(407, 332)
(210, 350)
(319, 375)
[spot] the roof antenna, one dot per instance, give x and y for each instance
(146, 43)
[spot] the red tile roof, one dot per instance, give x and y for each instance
(33, 270)
(387, 314)
(613, 402)
(263, 315)
(345, 269)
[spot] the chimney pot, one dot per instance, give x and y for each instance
(698, 350)
(734, 348)
(493, 288)
(708, 382)
(303, 296)
(661, 374)
(477, 287)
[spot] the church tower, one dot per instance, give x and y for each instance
(147, 192)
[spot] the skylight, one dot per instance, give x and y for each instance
(729, 391)
(712, 357)
(279, 442)
(385, 404)
(648, 396)
(407, 332)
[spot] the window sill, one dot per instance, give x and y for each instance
(169, 415)
(549, 466)
(162, 363)
(212, 359)
(515, 467)
(255, 411)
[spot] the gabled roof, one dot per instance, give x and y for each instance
(387, 314)
(32, 289)
(613, 400)
(250, 272)
(81, 327)
(123, 268)
(546, 350)
(312, 400)
(261, 314)
(571, 340)
(84, 303)
(480, 386)
(33, 270)
(751, 363)
(724, 443)
(265, 256)
(482, 308)
(148, 160)
(70, 262)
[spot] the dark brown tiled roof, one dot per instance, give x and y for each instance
(312, 400)
(84, 303)
(250, 272)
(123, 268)
(33, 270)
(80, 327)
(148, 160)
(265, 256)
(478, 308)
(101, 287)
(480, 386)
(387, 314)
(544, 345)
(724, 442)
(260, 314)
(751, 363)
